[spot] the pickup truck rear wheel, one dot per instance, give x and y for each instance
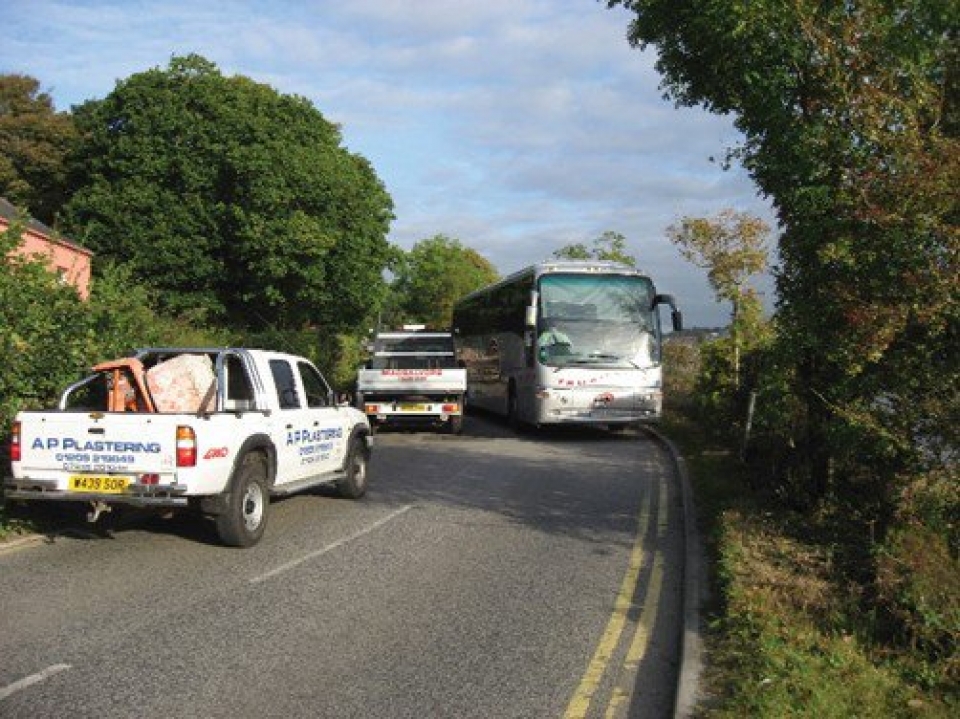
(354, 482)
(245, 518)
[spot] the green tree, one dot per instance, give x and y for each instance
(436, 273)
(235, 202)
(850, 115)
(34, 141)
(608, 246)
(731, 247)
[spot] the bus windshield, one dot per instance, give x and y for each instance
(597, 320)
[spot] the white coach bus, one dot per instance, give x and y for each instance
(565, 342)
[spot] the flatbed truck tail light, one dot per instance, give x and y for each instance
(450, 408)
(186, 446)
(15, 442)
(372, 408)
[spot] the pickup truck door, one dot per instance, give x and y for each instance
(330, 433)
(311, 432)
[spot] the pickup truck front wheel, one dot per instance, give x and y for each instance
(245, 518)
(353, 485)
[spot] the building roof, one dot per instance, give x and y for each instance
(11, 213)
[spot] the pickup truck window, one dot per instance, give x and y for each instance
(314, 385)
(239, 390)
(286, 385)
(91, 395)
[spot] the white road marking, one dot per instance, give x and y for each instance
(32, 679)
(339, 543)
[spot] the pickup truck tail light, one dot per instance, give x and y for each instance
(186, 446)
(451, 408)
(15, 443)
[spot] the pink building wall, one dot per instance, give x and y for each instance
(69, 261)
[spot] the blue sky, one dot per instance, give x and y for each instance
(514, 126)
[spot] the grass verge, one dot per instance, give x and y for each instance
(790, 629)
(12, 527)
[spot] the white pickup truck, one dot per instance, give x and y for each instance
(413, 379)
(211, 429)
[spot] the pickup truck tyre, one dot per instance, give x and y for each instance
(245, 518)
(354, 482)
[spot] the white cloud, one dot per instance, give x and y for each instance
(517, 126)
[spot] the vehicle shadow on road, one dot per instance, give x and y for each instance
(583, 482)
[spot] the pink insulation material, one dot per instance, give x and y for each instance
(185, 383)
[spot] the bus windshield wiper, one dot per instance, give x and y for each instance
(601, 357)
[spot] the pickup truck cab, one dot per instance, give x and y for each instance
(217, 430)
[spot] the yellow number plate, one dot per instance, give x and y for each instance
(414, 407)
(98, 483)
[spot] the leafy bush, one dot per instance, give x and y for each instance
(681, 366)
(716, 395)
(46, 332)
(49, 337)
(918, 574)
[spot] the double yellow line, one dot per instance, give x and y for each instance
(603, 656)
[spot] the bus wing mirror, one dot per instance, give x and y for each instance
(664, 300)
(530, 317)
(676, 316)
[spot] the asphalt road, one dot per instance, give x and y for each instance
(487, 575)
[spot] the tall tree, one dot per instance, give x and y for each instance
(850, 115)
(436, 273)
(231, 199)
(34, 141)
(608, 246)
(731, 247)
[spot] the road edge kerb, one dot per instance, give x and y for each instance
(691, 641)
(8, 545)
